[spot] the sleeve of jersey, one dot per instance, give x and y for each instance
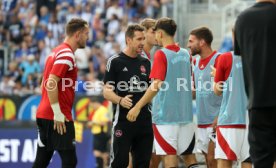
(159, 68)
(223, 67)
(64, 62)
(110, 72)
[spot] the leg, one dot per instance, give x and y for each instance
(100, 146)
(105, 159)
(190, 160)
(212, 163)
(262, 137)
(222, 163)
(170, 161)
(43, 157)
(141, 148)
(68, 158)
(155, 160)
(186, 144)
(99, 158)
(246, 165)
(120, 145)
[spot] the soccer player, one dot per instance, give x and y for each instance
(54, 118)
(207, 103)
(172, 107)
(231, 140)
(150, 42)
(126, 79)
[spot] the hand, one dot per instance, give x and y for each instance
(214, 70)
(60, 126)
(126, 102)
(215, 123)
(133, 114)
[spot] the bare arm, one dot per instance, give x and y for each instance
(148, 96)
(52, 91)
(109, 94)
(217, 86)
(52, 88)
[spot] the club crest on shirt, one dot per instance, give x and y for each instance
(118, 133)
(143, 69)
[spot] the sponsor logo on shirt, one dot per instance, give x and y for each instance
(125, 69)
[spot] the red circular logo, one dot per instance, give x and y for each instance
(118, 133)
(143, 69)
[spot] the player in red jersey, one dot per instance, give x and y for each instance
(58, 95)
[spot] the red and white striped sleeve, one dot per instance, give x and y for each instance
(64, 61)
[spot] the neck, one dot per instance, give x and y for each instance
(71, 43)
(206, 52)
(147, 47)
(130, 53)
(168, 41)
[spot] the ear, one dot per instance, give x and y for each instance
(201, 42)
(128, 40)
(77, 35)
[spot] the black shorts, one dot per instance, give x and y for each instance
(50, 138)
(100, 141)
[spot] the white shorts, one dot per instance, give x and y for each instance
(174, 139)
(232, 144)
(203, 138)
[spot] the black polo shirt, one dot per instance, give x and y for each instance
(129, 76)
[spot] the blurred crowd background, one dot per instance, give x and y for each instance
(30, 29)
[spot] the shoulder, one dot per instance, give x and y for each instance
(159, 53)
(143, 59)
(225, 60)
(112, 60)
(225, 56)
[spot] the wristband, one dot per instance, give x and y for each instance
(58, 115)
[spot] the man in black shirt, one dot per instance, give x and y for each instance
(255, 34)
(126, 80)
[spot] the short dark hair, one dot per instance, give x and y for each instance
(148, 23)
(166, 24)
(203, 33)
(75, 25)
(132, 28)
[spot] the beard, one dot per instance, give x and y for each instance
(81, 45)
(195, 51)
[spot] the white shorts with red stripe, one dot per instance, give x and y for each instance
(232, 144)
(203, 138)
(174, 139)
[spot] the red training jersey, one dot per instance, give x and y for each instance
(61, 62)
(224, 67)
